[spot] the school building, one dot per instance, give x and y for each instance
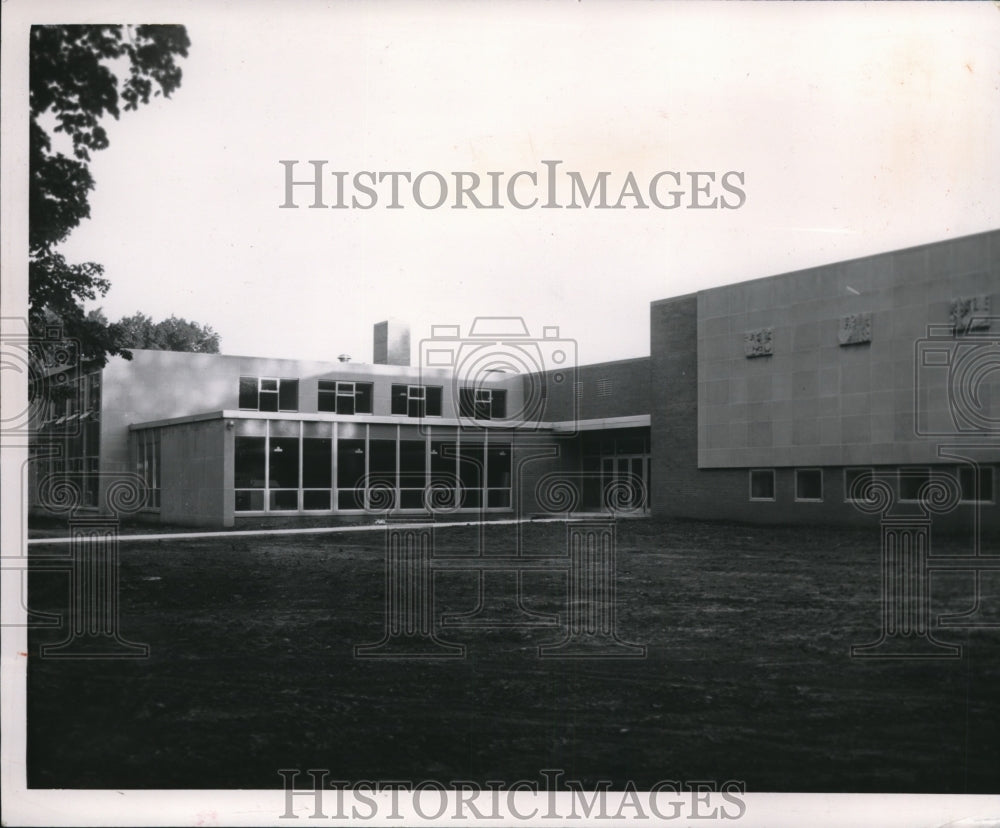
(776, 400)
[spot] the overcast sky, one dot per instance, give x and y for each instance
(858, 129)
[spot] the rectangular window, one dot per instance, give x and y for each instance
(345, 397)
(855, 483)
(412, 473)
(350, 463)
(470, 473)
(269, 394)
(288, 395)
(911, 481)
(248, 392)
(483, 403)
(249, 463)
(808, 484)
(498, 476)
(762, 484)
(317, 456)
(147, 466)
(976, 483)
(267, 399)
(417, 400)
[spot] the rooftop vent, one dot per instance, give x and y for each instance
(344, 357)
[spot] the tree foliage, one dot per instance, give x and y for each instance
(173, 334)
(78, 76)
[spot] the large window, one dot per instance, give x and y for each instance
(269, 394)
(317, 472)
(345, 397)
(291, 466)
(483, 403)
(147, 464)
(351, 464)
(416, 400)
(283, 473)
(250, 464)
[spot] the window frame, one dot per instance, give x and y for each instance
(277, 391)
(344, 390)
(798, 497)
(867, 470)
(416, 400)
(989, 471)
(911, 472)
(485, 403)
(774, 486)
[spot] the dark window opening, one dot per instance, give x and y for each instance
(976, 483)
(482, 403)
(350, 464)
(263, 394)
(808, 484)
(344, 397)
(284, 460)
(417, 400)
(249, 463)
(317, 455)
(762, 484)
(911, 481)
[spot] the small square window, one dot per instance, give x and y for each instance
(762, 484)
(808, 484)
(976, 483)
(911, 481)
(855, 483)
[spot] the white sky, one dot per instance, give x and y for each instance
(859, 128)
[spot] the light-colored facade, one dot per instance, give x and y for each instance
(764, 401)
(221, 440)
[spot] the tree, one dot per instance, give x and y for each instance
(173, 334)
(74, 84)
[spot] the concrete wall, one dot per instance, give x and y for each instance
(680, 377)
(816, 401)
(196, 474)
(160, 385)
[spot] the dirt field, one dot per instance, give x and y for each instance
(747, 675)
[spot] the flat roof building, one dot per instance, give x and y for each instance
(773, 400)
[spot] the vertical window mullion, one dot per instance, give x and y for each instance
(335, 449)
(267, 467)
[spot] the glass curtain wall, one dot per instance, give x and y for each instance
(291, 466)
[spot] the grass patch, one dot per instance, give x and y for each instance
(747, 676)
